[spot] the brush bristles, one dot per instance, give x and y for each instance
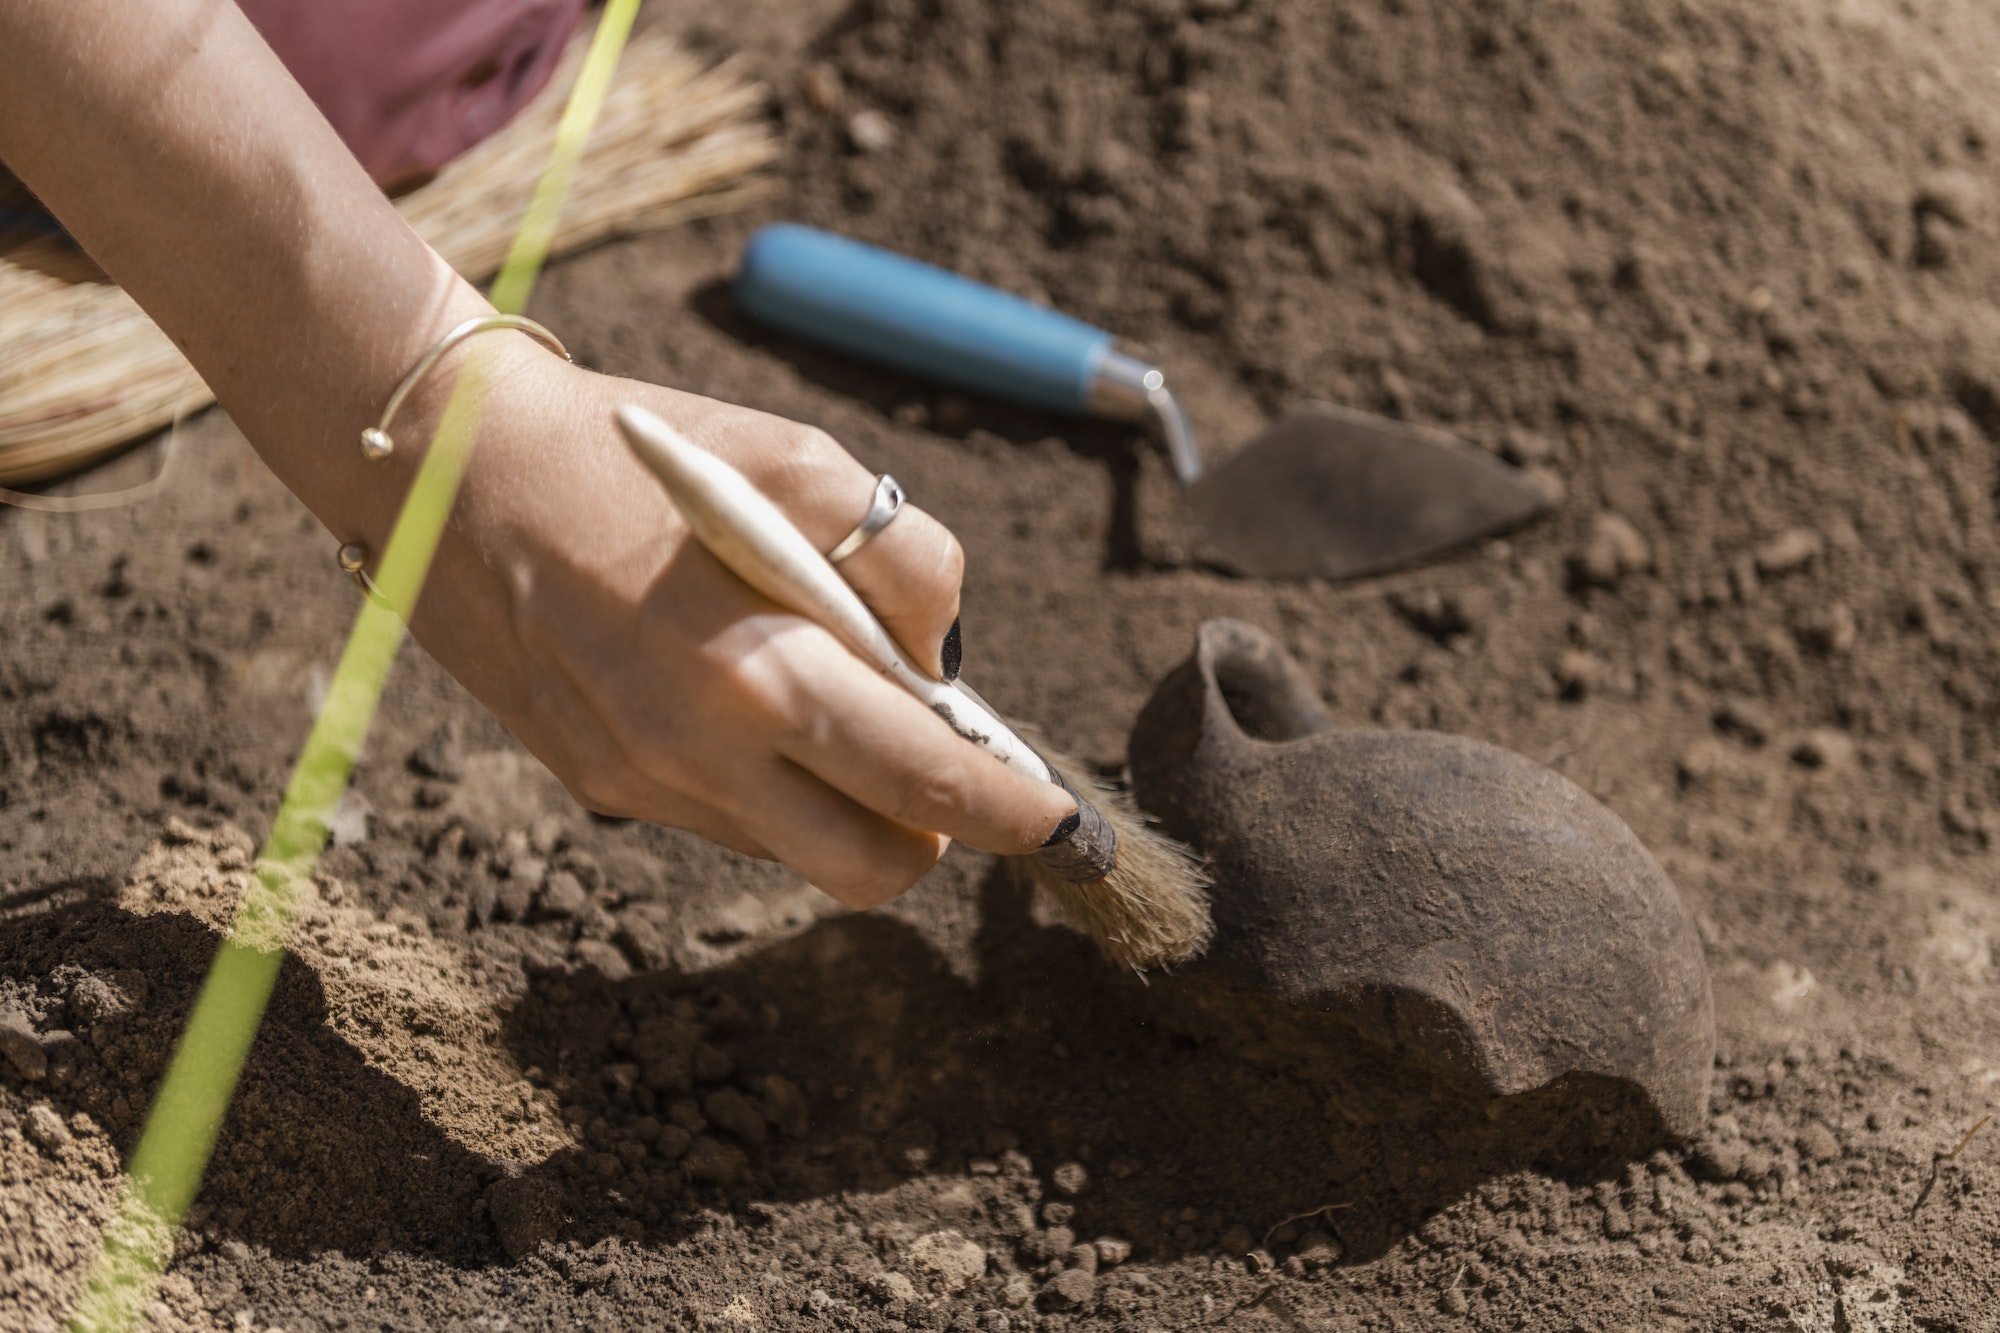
(1152, 909)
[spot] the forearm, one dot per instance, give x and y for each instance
(170, 141)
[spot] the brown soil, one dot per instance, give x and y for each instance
(1722, 270)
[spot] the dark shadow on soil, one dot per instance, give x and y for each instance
(954, 413)
(319, 1151)
(1178, 1095)
(1198, 1110)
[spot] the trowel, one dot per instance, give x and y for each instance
(1324, 491)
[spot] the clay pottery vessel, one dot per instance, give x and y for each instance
(1464, 906)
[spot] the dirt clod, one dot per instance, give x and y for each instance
(21, 1047)
(715, 1162)
(1071, 1289)
(1788, 551)
(736, 1113)
(46, 1127)
(561, 894)
(1615, 549)
(526, 1212)
(949, 1258)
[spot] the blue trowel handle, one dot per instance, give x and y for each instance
(901, 313)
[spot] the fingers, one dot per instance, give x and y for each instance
(638, 799)
(710, 709)
(703, 756)
(570, 736)
(865, 737)
(909, 574)
(849, 853)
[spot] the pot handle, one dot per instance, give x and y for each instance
(1254, 687)
(1238, 691)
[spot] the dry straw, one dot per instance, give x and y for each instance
(83, 372)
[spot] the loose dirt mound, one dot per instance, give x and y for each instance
(1722, 272)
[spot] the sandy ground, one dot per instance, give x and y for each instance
(1721, 273)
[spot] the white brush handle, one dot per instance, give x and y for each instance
(750, 535)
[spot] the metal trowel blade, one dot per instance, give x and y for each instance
(1329, 492)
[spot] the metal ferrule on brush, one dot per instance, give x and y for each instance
(1084, 847)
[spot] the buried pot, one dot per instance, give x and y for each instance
(1464, 906)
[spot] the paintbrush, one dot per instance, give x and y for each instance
(1139, 894)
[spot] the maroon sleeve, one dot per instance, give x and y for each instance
(410, 84)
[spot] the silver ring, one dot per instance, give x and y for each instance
(886, 503)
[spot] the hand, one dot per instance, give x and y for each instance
(566, 594)
(570, 599)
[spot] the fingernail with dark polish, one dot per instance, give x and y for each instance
(952, 655)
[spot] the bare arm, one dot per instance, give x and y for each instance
(175, 147)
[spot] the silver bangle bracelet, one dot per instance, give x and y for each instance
(376, 442)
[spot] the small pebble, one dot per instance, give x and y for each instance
(95, 999)
(1830, 632)
(513, 900)
(22, 1048)
(562, 894)
(892, 1287)
(716, 1162)
(1817, 1143)
(1580, 673)
(1719, 1159)
(871, 131)
(1824, 747)
(1918, 760)
(1548, 479)
(1071, 1289)
(1615, 549)
(736, 1113)
(604, 957)
(948, 1257)
(1788, 551)
(641, 940)
(1523, 447)
(1051, 1243)
(786, 1107)
(1453, 1301)
(712, 1064)
(1955, 197)
(1318, 1250)
(820, 86)
(442, 753)
(1112, 1251)
(45, 1127)
(1746, 719)
(1937, 242)
(1072, 1178)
